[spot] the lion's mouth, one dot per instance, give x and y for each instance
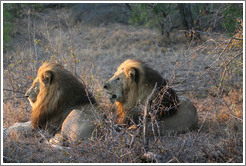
(113, 98)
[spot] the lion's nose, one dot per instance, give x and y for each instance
(105, 86)
(26, 95)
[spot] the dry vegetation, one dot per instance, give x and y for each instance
(209, 73)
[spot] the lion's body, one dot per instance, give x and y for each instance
(78, 124)
(185, 117)
(61, 103)
(132, 84)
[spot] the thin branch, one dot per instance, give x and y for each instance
(145, 119)
(236, 38)
(14, 91)
(218, 57)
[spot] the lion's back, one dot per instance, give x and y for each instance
(185, 117)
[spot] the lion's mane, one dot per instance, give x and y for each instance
(60, 92)
(137, 91)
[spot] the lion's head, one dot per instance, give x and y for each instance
(53, 94)
(129, 79)
(120, 83)
(132, 83)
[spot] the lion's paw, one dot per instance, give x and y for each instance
(57, 140)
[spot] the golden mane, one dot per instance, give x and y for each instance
(139, 81)
(55, 101)
(146, 74)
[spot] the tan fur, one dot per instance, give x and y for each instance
(121, 115)
(58, 95)
(131, 85)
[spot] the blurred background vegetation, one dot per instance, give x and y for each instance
(11, 13)
(196, 17)
(203, 17)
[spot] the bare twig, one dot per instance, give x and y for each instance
(236, 38)
(145, 120)
(173, 159)
(218, 57)
(211, 34)
(134, 135)
(241, 53)
(231, 112)
(15, 91)
(153, 157)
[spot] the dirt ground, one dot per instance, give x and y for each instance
(92, 46)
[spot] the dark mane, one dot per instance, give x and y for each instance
(166, 101)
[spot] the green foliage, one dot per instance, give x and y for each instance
(150, 15)
(138, 14)
(217, 16)
(207, 16)
(8, 19)
(154, 16)
(231, 13)
(11, 12)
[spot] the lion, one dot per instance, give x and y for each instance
(61, 104)
(132, 84)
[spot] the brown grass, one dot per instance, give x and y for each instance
(205, 73)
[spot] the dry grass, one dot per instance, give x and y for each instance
(200, 72)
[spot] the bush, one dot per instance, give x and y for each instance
(231, 14)
(154, 16)
(11, 12)
(207, 17)
(8, 20)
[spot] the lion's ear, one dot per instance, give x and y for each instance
(46, 78)
(133, 74)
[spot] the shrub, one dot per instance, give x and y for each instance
(12, 11)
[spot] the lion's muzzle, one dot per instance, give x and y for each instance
(113, 97)
(106, 86)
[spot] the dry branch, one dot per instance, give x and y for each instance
(149, 156)
(145, 120)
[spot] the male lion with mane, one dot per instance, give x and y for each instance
(132, 84)
(61, 104)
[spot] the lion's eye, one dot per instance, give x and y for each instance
(117, 79)
(35, 88)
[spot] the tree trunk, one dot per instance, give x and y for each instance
(187, 21)
(165, 29)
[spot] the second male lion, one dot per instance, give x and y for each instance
(61, 104)
(131, 85)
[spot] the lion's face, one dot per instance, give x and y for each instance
(114, 87)
(41, 81)
(119, 85)
(33, 91)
